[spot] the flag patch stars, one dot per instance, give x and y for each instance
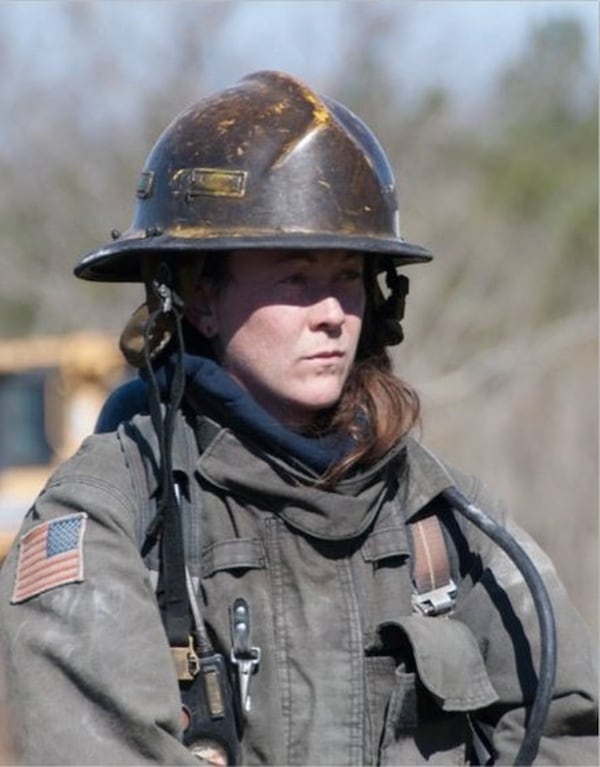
(50, 555)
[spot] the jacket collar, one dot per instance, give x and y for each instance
(410, 472)
(427, 477)
(267, 483)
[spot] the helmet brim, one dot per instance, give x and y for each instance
(119, 261)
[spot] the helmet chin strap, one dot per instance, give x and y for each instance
(170, 306)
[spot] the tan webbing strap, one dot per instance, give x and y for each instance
(435, 591)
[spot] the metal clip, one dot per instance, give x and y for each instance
(243, 656)
(187, 662)
(437, 601)
(165, 296)
(168, 299)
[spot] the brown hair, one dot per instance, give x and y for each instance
(377, 408)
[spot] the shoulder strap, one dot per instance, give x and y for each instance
(434, 588)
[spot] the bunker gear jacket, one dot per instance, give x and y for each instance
(348, 675)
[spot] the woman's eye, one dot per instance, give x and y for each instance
(350, 275)
(293, 279)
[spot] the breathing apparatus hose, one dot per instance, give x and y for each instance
(547, 668)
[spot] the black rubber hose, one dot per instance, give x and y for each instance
(547, 671)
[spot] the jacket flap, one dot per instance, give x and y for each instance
(244, 553)
(449, 662)
(386, 542)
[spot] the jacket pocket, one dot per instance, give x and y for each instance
(233, 554)
(425, 718)
(234, 568)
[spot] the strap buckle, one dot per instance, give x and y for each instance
(186, 660)
(437, 601)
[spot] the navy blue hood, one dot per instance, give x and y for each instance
(216, 394)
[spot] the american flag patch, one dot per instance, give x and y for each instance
(50, 555)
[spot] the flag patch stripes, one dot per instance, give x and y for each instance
(50, 555)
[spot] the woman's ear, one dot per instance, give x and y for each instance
(199, 311)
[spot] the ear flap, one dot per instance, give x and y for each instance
(131, 342)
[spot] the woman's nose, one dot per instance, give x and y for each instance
(327, 312)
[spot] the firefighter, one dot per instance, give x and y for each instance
(254, 561)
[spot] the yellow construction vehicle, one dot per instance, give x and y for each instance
(51, 390)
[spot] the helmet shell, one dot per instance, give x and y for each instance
(264, 164)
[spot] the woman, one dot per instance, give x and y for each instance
(236, 569)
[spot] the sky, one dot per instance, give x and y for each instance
(449, 39)
(457, 44)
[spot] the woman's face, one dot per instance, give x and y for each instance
(286, 326)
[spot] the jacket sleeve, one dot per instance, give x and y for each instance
(88, 669)
(499, 609)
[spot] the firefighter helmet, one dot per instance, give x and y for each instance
(264, 164)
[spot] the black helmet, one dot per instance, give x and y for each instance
(264, 164)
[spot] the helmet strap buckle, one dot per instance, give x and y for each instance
(168, 299)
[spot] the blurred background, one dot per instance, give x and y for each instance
(488, 112)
